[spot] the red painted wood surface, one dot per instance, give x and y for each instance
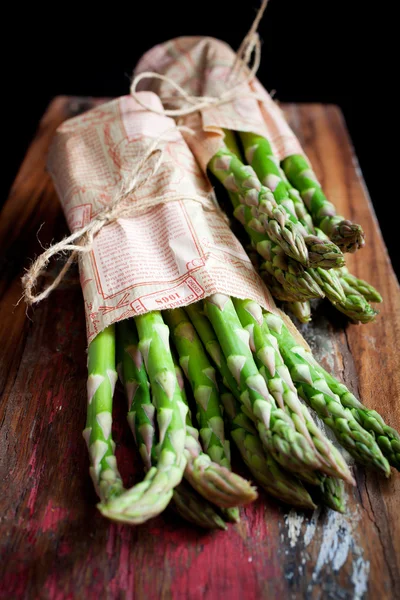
(54, 543)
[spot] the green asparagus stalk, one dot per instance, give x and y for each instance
(231, 513)
(258, 151)
(387, 437)
(277, 289)
(290, 273)
(97, 434)
(331, 490)
(359, 285)
(356, 291)
(215, 483)
(355, 306)
(347, 235)
(141, 413)
(212, 481)
(265, 470)
(211, 343)
(202, 377)
(292, 276)
(280, 385)
(278, 434)
(264, 215)
(312, 387)
(151, 496)
(299, 207)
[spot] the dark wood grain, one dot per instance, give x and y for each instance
(54, 543)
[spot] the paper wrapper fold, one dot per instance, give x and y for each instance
(202, 66)
(167, 252)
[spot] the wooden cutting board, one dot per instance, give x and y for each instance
(54, 543)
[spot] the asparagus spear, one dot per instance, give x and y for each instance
(132, 372)
(354, 304)
(265, 215)
(387, 437)
(359, 285)
(312, 387)
(277, 289)
(276, 428)
(212, 345)
(331, 491)
(292, 276)
(214, 482)
(300, 308)
(150, 497)
(195, 509)
(258, 151)
(347, 235)
(266, 471)
(280, 385)
(202, 377)
(141, 412)
(232, 512)
(97, 434)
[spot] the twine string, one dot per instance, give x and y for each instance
(81, 240)
(239, 85)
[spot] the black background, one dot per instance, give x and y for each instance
(341, 52)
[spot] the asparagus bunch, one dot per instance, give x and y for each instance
(215, 485)
(267, 472)
(357, 428)
(361, 431)
(259, 210)
(153, 494)
(189, 504)
(280, 385)
(262, 367)
(350, 283)
(387, 437)
(264, 468)
(335, 285)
